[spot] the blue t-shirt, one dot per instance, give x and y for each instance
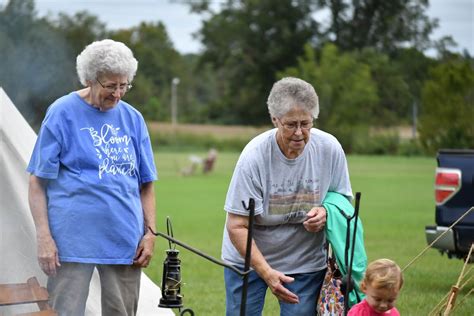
(95, 162)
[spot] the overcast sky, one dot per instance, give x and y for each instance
(456, 17)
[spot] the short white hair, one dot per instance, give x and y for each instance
(289, 92)
(105, 57)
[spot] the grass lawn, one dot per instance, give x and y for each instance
(397, 202)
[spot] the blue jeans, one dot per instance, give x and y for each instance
(306, 285)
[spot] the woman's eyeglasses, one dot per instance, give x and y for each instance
(294, 126)
(112, 88)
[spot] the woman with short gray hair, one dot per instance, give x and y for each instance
(288, 91)
(105, 57)
(288, 171)
(91, 187)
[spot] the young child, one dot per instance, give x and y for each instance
(381, 284)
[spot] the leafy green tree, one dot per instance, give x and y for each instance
(35, 64)
(38, 61)
(448, 106)
(414, 67)
(247, 42)
(384, 25)
(201, 93)
(347, 94)
(158, 64)
(145, 98)
(79, 30)
(394, 94)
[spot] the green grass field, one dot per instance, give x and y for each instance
(396, 204)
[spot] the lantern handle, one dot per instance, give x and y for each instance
(169, 231)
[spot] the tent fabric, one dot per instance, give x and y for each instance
(17, 231)
(336, 228)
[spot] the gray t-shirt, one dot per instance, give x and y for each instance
(284, 190)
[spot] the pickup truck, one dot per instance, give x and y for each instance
(454, 195)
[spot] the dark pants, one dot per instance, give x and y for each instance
(306, 285)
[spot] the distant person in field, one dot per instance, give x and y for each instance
(207, 163)
(91, 187)
(381, 284)
(288, 171)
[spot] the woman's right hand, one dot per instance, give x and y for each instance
(48, 257)
(275, 280)
(237, 226)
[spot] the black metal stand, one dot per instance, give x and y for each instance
(349, 261)
(248, 251)
(244, 274)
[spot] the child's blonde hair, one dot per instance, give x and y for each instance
(383, 273)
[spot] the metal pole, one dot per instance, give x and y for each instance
(415, 120)
(248, 252)
(198, 252)
(351, 259)
(174, 101)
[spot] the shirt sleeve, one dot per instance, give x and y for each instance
(340, 182)
(147, 168)
(44, 161)
(245, 184)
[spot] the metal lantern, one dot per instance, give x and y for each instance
(171, 282)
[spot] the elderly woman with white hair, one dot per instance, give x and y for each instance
(287, 171)
(91, 187)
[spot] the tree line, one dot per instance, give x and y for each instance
(367, 62)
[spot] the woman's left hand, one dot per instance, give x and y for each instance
(315, 219)
(145, 250)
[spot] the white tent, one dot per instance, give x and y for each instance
(17, 232)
